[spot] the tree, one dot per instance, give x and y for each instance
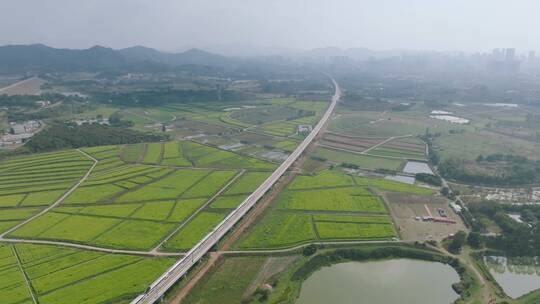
(474, 240)
(458, 240)
(445, 191)
(309, 250)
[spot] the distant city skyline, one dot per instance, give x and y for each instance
(274, 26)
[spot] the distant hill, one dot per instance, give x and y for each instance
(190, 57)
(41, 58)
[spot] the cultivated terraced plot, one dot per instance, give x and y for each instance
(31, 183)
(60, 275)
(307, 211)
(135, 206)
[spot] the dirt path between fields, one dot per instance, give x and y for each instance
(250, 219)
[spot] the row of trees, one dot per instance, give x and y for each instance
(515, 239)
(520, 171)
(63, 136)
(166, 96)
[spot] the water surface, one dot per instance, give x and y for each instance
(381, 282)
(515, 279)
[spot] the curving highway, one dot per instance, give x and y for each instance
(155, 291)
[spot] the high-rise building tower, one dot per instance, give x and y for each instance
(497, 54)
(532, 55)
(510, 54)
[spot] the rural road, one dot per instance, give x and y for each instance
(74, 245)
(157, 289)
(93, 248)
(295, 248)
(58, 201)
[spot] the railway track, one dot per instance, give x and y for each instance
(160, 286)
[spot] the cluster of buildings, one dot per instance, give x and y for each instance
(304, 129)
(505, 61)
(20, 132)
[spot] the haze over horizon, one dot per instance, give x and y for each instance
(273, 26)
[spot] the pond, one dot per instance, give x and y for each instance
(516, 276)
(381, 282)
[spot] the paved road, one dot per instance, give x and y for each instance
(180, 268)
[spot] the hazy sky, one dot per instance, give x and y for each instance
(468, 25)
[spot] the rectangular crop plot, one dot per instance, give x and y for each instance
(42, 197)
(169, 187)
(103, 152)
(228, 202)
(61, 275)
(280, 229)
(229, 282)
(17, 213)
(352, 218)
(205, 156)
(194, 231)
(185, 208)
(324, 179)
(392, 186)
(119, 210)
(122, 283)
(154, 211)
(247, 183)
(11, 200)
(174, 156)
(132, 153)
(92, 194)
(209, 185)
(5, 225)
(362, 161)
(335, 230)
(39, 225)
(13, 288)
(85, 269)
(134, 234)
(286, 145)
(352, 199)
(396, 152)
(78, 228)
(153, 153)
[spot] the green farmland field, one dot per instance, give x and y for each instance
(228, 202)
(362, 161)
(321, 180)
(169, 187)
(64, 276)
(154, 211)
(247, 183)
(279, 229)
(132, 153)
(132, 234)
(336, 230)
(228, 282)
(184, 208)
(353, 199)
(210, 184)
(153, 153)
(388, 185)
(195, 230)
